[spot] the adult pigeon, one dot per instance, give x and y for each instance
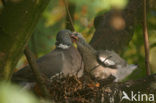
(103, 64)
(65, 58)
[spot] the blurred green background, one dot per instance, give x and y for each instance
(53, 20)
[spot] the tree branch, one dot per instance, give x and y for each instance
(146, 44)
(37, 74)
(69, 24)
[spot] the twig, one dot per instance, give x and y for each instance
(146, 44)
(32, 62)
(68, 13)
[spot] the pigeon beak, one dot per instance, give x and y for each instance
(74, 38)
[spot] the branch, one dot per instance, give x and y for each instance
(69, 24)
(146, 44)
(37, 74)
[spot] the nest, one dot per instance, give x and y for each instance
(71, 89)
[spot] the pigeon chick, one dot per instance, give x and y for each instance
(102, 64)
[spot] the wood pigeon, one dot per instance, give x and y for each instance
(65, 58)
(102, 64)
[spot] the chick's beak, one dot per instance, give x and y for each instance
(74, 38)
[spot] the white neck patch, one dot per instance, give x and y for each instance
(62, 46)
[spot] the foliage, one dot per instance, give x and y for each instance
(10, 93)
(17, 22)
(134, 53)
(53, 20)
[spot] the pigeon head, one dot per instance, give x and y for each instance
(80, 39)
(63, 39)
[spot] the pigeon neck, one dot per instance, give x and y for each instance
(63, 46)
(82, 41)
